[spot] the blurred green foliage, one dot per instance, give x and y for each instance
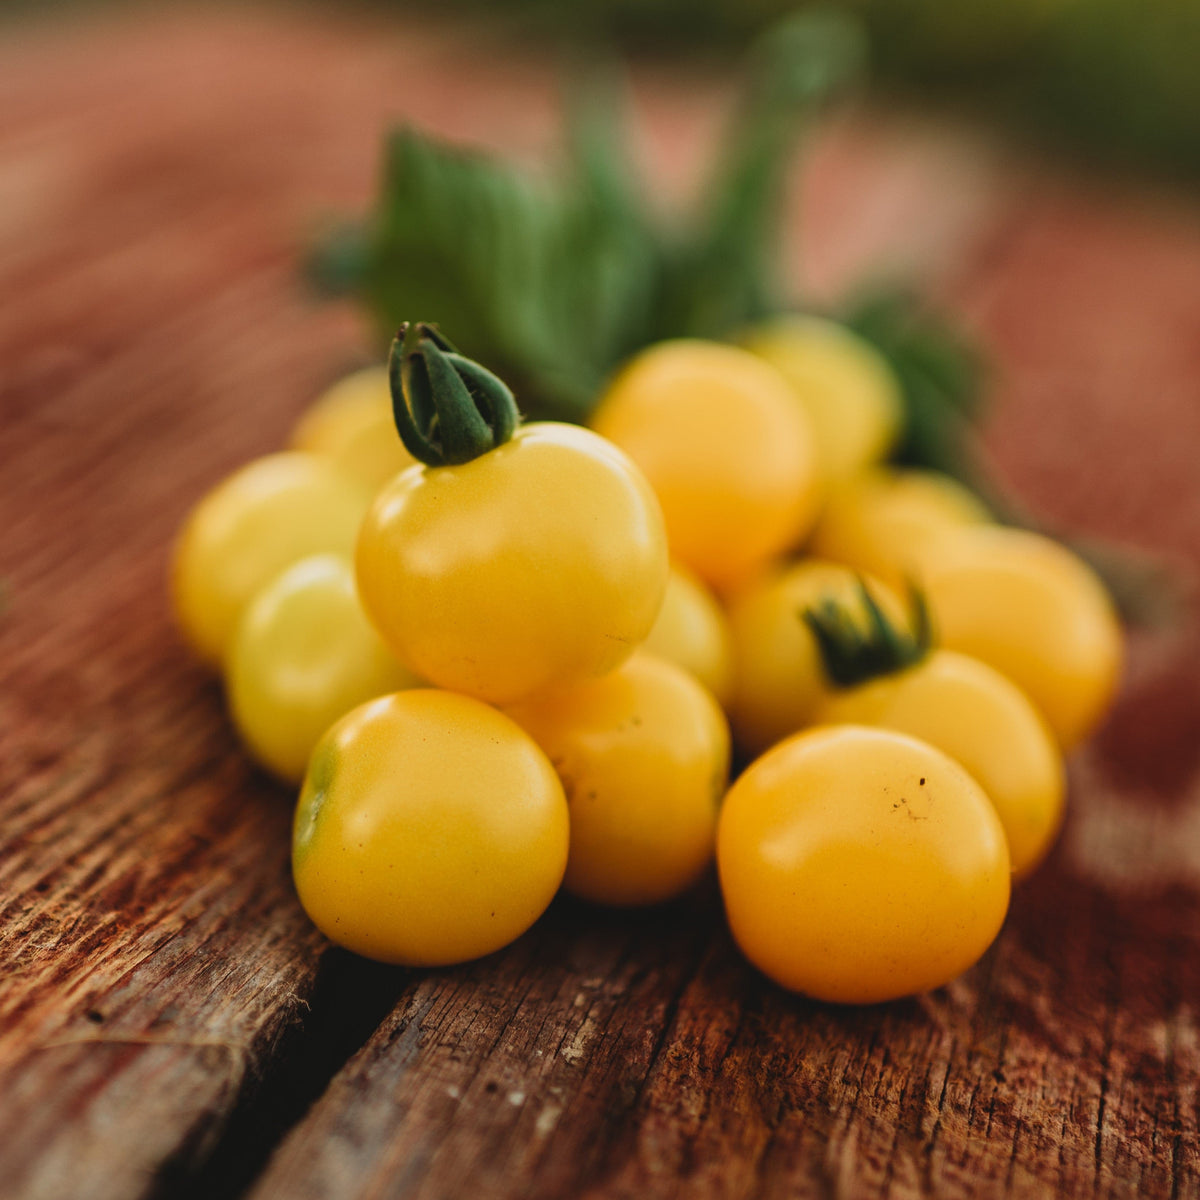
(554, 282)
(1116, 80)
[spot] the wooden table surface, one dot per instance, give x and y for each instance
(170, 1025)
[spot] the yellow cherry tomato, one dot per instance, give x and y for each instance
(644, 757)
(692, 630)
(725, 447)
(261, 519)
(983, 721)
(848, 390)
(304, 654)
(430, 830)
(352, 423)
(542, 561)
(1034, 611)
(779, 680)
(883, 519)
(861, 865)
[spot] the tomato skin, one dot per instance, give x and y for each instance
(540, 562)
(262, 518)
(430, 830)
(848, 390)
(882, 520)
(643, 755)
(693, 631)
(304, 654)
(1037, 613)
(849, 879)
(982, 720)
(726, 448)
(352, 423)
(779, 680)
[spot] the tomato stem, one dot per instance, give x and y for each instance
(852, 654)
(448, 409)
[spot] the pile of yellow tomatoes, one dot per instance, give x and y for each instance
(501, 658)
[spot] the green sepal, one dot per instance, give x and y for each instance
(854, 652)
(448, 409)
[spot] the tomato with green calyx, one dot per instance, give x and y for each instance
(352, 422)
(726, 448)
(643, 755)
(860, 865)
(513, 558)
(779, 679)
(1037, 613)
(889, 677)
(850, 393)
(430, 830)
(882, 520)
(304, 654)
(693, 631)
(261, 519)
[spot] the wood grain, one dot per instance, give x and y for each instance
(165, 1010)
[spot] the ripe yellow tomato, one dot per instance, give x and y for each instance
(542, 561)
(726, 448)
(643, 755)
(861, 865)
(430, 830)
(883, 519)
(848, 389)
(692, 630)
(1034, 611)
(352, 423)
(983, 721)
(261, 519)
(779, 681)
(304, 654)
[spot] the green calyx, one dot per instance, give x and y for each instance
(448, 409)
(853, 652)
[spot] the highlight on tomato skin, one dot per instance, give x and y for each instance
(430, 830)
(517, 557)
(861, 865)
(727, 449)
(643, 754)
(304, 655)
(262, 518)
(890, 675)
(542, 562)
(983, 721)
(1035, 611)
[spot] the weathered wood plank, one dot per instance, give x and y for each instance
(152, 951)
(153, 959)
(510, 1077)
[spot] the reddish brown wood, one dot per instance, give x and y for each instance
(158, 181)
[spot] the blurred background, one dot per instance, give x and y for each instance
(1024, 171)
(288, 179)
(1110, 80)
